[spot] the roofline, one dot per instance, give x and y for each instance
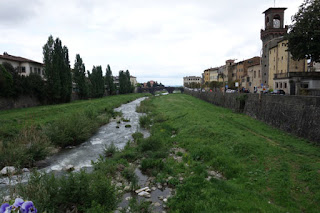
(18, 59)
(271, 8)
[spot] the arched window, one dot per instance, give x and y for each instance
(276, 21)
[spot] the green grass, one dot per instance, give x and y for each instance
(12, 121)
(266, 170)
(26, 135)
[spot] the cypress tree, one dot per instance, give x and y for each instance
(109, 81)
(80, 77)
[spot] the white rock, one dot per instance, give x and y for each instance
(143, 193)
(157, 204)
(154, 188)
(142, 189)
(119, 185)
(159, 186)
(25, 170)
(70, 168)
(181, 178)
(160, 197)
(7, 198)
(165, 200)
(126, 188)
(8, 170)
(128, 198)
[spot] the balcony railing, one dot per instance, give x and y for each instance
(297, 74)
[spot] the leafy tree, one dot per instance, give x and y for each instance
(111, 88)
(80, 77)
(6, 82)
(304, 34)
(97, 82)
(148, 84)
(36, 86)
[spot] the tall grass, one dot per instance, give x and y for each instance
(25, 149)
(77, 191)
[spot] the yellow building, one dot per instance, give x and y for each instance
(280, 61)
(206, 77)
(254, 74)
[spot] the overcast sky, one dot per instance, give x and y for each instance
(161, 40)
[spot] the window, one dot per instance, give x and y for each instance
(23, 69)
(248, 79)
(259, 74)
(281, 57)
(254, 74)
(285, 85)
(39, 72)
(30, 69)
(277, 86)
(280, 85)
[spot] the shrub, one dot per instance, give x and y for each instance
(29, 146)
(71, 130)
(145, 121)
(75, 191)
(110, 150)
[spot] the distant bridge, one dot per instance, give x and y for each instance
(153, 90)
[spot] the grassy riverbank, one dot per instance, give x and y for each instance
(216, 160)
(27, 135)
(263, 169)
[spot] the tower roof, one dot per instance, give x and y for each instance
(275, 8)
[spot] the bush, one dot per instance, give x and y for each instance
(110, 150)
(6, 82)
(29, 146)
(145, 121)
(75, 191)
(71, 130)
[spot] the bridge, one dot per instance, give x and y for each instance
(153, 90)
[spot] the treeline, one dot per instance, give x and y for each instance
(60, 80)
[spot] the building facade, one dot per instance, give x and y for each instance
(23, 66)
(254, 74)
(188, 80)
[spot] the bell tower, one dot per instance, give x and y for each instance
(273, 32)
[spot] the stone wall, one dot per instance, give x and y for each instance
(20, 102)
(299, 115)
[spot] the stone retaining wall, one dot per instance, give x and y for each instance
(299, 115)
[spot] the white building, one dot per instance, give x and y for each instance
(23, 66)
(191, 79)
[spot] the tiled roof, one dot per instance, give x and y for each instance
(17, 58)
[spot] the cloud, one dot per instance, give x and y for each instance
(14, 12)
(163, 40)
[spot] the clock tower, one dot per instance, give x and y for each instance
(273, 32)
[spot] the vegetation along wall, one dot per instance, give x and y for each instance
(299, 115)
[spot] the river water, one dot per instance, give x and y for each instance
(80, 157)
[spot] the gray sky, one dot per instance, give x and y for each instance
(161, 40)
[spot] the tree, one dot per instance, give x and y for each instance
(125, 83)
(111, 89)
(52, 76)
(304, 35)
(6, 82)
(97, 82)
(79, 72)
(57, 71)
